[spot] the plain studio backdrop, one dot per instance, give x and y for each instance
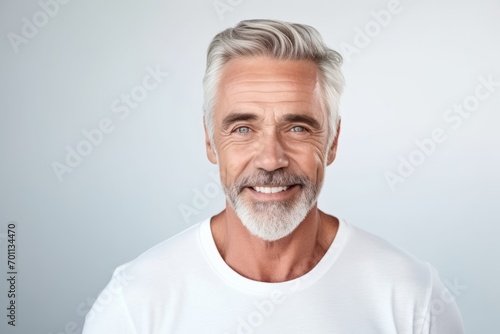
(102, 144)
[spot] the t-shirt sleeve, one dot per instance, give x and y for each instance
(109, 313)
(443, 315)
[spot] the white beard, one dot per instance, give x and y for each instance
(271, 221)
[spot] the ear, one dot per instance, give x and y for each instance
(212, 157)
(332, 153)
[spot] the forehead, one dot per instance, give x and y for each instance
(266, 82)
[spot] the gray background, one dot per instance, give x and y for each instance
(129, 193)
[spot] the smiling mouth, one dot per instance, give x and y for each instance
(270, 190)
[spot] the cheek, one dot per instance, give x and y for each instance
(232, 163)
(309, 159)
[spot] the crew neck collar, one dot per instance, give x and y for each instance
(250, 286)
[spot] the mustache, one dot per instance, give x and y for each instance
(274, 178)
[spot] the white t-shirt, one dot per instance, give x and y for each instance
(361, 285)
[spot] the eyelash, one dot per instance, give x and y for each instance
(242, 127)
(248, 130)
(302, 129)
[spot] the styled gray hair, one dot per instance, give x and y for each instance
(278, 40)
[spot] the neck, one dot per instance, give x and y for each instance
(273, 261)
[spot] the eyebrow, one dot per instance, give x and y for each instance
(237, 117)
(295, 118)
(289, 118)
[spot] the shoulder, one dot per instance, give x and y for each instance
(384, 261)
(375, 248)
(148, 283)
(165, 261)
(398, 281)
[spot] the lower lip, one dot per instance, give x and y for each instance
(279, 196)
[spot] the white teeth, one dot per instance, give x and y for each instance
(270, 190)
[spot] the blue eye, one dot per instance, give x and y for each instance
(298, 129)
(243, 129)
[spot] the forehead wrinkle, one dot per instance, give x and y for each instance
(251, 85)
(264, 66)
(247, 78)
(249, 93)
(249, 71)
(273, 94)
(267, 97)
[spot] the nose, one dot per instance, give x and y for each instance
(271, 154)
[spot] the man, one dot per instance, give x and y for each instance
(272, 262)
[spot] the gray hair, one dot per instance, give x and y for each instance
(279, 40)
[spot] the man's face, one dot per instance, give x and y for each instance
(271, 142)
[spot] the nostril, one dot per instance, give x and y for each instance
(271, 158)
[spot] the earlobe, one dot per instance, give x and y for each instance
(332, 152)
(212, 157)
